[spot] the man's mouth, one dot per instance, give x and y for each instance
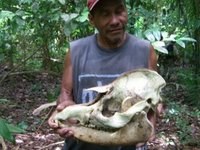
(115, 31)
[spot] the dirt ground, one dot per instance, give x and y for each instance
(25, 92)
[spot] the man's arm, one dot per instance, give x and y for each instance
(66, 97)
(152, 62)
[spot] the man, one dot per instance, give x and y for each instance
(97, 60)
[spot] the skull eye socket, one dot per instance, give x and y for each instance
(149, 100)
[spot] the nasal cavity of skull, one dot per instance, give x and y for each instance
(71, 121)
(149, 100)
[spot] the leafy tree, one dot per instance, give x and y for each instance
(34, 35)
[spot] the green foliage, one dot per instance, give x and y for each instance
(52, 95)
(183, 118)
(37, 87)
(48, 30)
(34, 35)
(191, 83)
(3, 101)
(159, 39)
(8, 130)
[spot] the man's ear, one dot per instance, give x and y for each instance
(91, 17)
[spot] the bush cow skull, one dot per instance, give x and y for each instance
(118, 115)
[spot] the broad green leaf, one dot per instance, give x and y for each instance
(161, 49)
(157, 34)
(4, 14)
(67, 31)
(181, 43)
(69, 27)
(138, 33)
(4, 131)
(173, 36)
(20, 13)
(14, 129)
(35, 7)
(187, 39)
(83, 17)
(68, 17)
(55, 14)
(169, 39)
(159, 43)
(23, 125)
(20, 21)
(149, 36)
(164, 34)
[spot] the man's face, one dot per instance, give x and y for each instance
(110, 19)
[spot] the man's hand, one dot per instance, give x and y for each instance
(63, 104)
(63, 132)
(160, 110)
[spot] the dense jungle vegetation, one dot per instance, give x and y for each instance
(34, 37)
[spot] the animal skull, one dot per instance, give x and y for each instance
(118, 116)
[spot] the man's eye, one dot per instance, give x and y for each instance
(105, 14)
(119, 11)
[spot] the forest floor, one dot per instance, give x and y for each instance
(25, 92)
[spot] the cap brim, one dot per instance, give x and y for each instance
(94, 5)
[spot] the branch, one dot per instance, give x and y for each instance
(50, 145)
(38, 110)
(2, 142)
(30, 72)
(16, 67)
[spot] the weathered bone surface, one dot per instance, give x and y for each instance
(118, 116)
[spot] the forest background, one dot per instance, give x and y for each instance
(34, 37)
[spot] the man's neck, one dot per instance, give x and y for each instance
(110, 45)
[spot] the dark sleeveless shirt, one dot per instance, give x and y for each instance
(95, 66)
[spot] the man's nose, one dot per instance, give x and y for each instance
(114, 20)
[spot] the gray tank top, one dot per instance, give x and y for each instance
(95, 66)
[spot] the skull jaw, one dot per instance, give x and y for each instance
(137, 131)
(144, 84)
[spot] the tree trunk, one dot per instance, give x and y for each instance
(197, 36)
(46, 63)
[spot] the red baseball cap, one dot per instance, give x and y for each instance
(91, 4)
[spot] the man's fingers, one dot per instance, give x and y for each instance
(64, 132)
(64, 104)
(52, 122)
(61, 106)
